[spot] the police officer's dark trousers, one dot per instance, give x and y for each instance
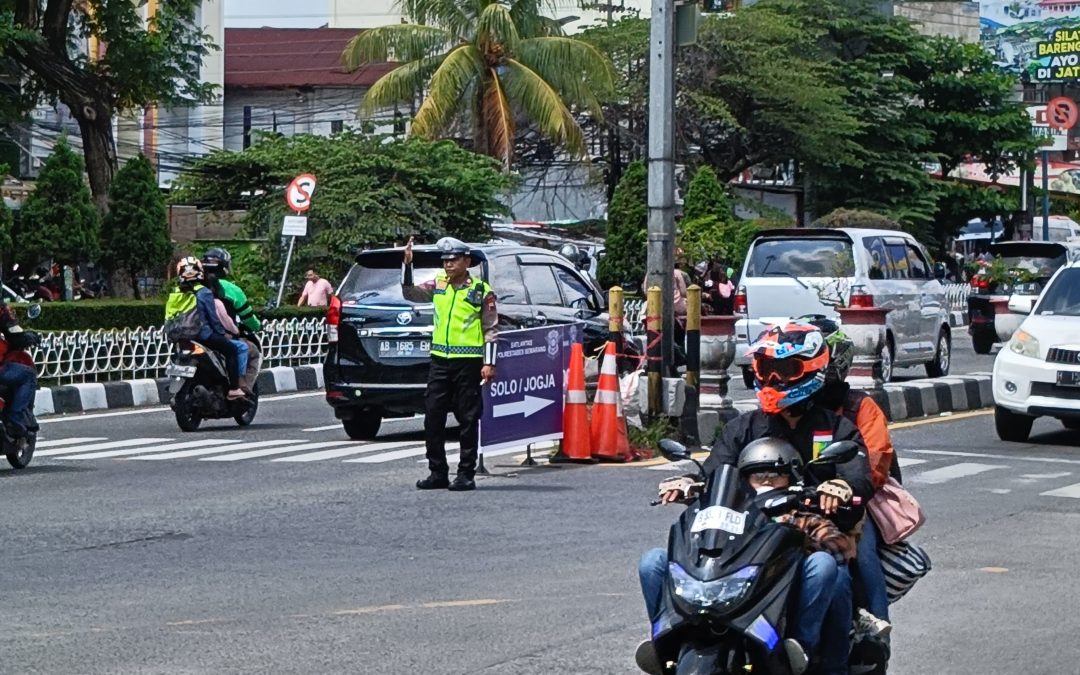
(453, 386)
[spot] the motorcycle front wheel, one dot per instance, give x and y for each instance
(184, 409)
(20, 453)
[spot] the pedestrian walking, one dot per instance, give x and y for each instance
(317, 291)
(462, 359)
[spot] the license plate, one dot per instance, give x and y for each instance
(394, 349)
(1068, 378)
(174, 370)
(719, 518)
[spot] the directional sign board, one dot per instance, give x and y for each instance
(1056, 139)
(298, 194)
(525, 402)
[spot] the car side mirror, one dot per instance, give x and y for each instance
(838, 453)
(673, 451)
(940, 271)
(1021, 304)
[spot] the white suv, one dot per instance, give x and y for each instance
(793, 272)
(1038, 372)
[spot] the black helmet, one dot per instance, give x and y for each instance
(841, 348)
(217, 261)
(769, 454)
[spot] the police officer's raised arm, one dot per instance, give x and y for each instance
(411, 292)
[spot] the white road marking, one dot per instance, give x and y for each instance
(1036, 477)
(1072, 491)
(201, 452)
(127, 443)
(909, 461)
(275, 451)
(328, 427)
(64, 441)
(952, 472)
(203, 442)
(400, 454)
(79, 417)
(355, 449)
(983, 455)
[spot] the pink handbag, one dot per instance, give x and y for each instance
(895, 512)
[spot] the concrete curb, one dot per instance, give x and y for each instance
(900, 401)
(74, 398)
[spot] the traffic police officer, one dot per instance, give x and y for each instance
(462, 358)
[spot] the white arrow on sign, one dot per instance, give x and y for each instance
(527, 406)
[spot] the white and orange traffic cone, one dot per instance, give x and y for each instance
(609, 440)
(576, 443)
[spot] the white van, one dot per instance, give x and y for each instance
(794, 272)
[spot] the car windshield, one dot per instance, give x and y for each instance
(1062, 297)
(1037, 265)
(378, 281)
(801, 258)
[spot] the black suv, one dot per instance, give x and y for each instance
(380, 342)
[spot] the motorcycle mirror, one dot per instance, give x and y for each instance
(674, 451)
(838, 453)
(33, 311)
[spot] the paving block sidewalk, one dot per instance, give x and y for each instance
(74, 398)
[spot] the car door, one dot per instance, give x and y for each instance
(931, 299)
(543, 291)
(504, 274)
(902, 298)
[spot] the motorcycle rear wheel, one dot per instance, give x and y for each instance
(19, 456)
(184, 409)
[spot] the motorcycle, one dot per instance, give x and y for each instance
(199, 383)
(733, 574)
(19, 451)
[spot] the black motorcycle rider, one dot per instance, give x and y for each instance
(22, 380)
(788, 363)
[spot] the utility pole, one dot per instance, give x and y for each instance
(661, 229)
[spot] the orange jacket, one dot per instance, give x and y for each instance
(874, 428)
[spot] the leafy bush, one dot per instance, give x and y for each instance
(857, 218)
(625, 249)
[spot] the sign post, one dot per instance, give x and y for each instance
(1053, 121)
(524, 405)
(298, 197)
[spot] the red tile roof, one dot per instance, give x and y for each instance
(270, 58)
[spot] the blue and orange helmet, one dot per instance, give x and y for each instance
(789, 362)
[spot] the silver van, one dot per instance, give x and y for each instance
(794, 272)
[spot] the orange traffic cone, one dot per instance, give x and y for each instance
(576, 444)
(609, 440)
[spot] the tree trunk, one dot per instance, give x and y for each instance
(135, 285)
(99, 148)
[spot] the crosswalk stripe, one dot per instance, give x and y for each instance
(200, 452)
(354, 449)
(64, 441)
(909, 461)
(266, 452)
(398, 454)
(953, 471)
(127, 443)
(328, 427)
(157, 448)
(1072, 491)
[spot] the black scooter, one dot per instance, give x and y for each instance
(199, 383)
(732, 573)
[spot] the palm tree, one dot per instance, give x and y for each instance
(485, 61)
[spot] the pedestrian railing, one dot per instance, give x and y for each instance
(956, 296)
(66, 357)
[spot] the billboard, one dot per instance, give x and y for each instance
(1036, 40)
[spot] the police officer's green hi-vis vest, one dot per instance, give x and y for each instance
(459, 332)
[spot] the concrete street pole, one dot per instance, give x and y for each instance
(661, 247)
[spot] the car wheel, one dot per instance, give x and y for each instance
(748, 378)
(982, 343)
(1073, 424)
(887, 360)
(939, 367)
(364, 426)
(1011, 426)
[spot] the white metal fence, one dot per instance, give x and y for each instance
(94, 356)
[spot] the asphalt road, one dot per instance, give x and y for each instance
(121, 563)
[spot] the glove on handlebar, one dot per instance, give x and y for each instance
(681, 483)
(836, 488)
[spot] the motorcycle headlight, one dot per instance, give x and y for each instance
(720, 594)
(1025, 344)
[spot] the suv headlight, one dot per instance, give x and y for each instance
(720, 594)
(1024, 344)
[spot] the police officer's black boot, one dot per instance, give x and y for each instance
(462, 483)
(436, 481)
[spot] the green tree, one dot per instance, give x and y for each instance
(146, 63)
(135, 231)
(59, 219)
(7, 224)
(484, 62)
(372, 191)
(707, 228)
(627, 231)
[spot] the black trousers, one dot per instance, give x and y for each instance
(453, 386)
(227, 349)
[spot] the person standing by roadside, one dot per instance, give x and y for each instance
(463, 347)
(719, 291)
(317, 291)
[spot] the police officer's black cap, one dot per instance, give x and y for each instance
(451, 248)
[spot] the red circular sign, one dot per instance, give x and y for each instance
(1062, 113)
(298, 194)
